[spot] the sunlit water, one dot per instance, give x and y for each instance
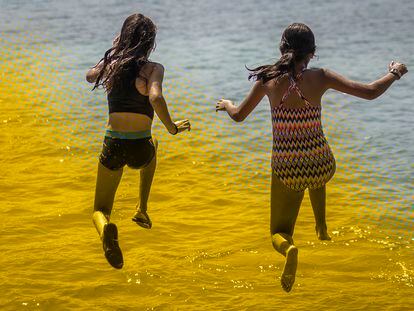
(209, 248)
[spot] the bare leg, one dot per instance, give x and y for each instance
(106, 185)
(318, 201)
(285, 204)
(146, 176)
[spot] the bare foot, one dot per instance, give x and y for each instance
(142, 219)
(111, 247)
(289, 271)
(322, 233)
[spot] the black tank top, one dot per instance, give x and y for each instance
(127, 99)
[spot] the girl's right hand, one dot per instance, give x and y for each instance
(222, 104)
(182, 126)
(399, 67)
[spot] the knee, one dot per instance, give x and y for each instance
(105, 210)
(281, 228)
(99, 214)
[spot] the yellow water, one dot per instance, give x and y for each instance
(209, 248)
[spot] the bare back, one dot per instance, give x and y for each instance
(130, 121)
(312, 85)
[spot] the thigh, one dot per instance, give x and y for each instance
(285, 205)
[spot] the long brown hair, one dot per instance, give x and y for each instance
(130, 51)
(296, 44)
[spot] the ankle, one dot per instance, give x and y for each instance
(142, 208)
(322, 227)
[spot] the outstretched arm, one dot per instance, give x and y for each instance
(362, 90)
(157, 101)
(239, 113)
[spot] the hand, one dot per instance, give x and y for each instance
(222, 103)
(398, 66)
(182, 125)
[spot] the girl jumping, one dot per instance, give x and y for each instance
(134, 87)
(301, 157)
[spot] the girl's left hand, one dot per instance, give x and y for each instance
(182, 125)
(222, 104)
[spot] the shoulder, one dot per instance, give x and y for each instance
(317, 77)
(275, 84)
(316, 72)
(153, 67)
(151, 71)
(328, 75)
(331, 78)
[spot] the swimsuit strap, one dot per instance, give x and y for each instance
(294, 86)
(288, 91)
(298, 90)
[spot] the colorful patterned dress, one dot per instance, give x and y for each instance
(301, 155)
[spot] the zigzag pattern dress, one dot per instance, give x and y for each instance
(301, 156)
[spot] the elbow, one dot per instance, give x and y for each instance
(155, 98)
(90, 78)
(371, 93)
(238, 117)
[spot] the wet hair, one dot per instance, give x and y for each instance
(130, 51)
(296, 44)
